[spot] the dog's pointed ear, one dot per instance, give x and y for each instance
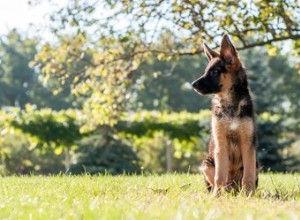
(228, 51)
(209, 52)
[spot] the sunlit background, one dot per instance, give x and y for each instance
(104, 86)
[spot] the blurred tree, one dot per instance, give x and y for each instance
(274, 82)
(93, 72)
(192, 21)
(98, 55)
(18, 158)
(16, 78)
(105, 154)
(167, 141)
(46, 137)
(21, 153)
(19, 84)
(167, 85)
(274, 143)
(55, 131)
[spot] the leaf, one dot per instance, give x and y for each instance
(58, 150)
(185, 186)
(160, 191)
(272, 51)
(161, 56)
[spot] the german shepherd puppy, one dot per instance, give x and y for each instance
(231, 163)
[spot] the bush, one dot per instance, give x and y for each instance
(153, 134)
(165, 141)
(105, 154)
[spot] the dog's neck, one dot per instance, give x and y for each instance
(234, 95)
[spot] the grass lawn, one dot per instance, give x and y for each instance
(143, 197)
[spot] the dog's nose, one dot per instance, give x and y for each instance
(195, 84)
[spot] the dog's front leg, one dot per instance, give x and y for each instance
(249, 163)
(248, 149)
(221, 158)
(222, 166)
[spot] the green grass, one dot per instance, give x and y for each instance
(143, 197)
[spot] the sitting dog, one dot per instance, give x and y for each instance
(231, 163)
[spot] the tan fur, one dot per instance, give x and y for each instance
(221, 152)
(236, 64)
(226, 171)
(226, 81)
(209, 174)
(248, 154)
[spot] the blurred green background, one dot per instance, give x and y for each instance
(105, 87)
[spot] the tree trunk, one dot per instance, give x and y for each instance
(169, 156)
(67, 159)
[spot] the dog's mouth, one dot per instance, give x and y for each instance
(198, 91)
(207, 91)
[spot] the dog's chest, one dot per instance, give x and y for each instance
(233, 125)
(233, 136)
(232, 130)
(232, 110)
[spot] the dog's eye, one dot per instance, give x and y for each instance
(215, 72)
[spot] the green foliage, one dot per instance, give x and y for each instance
(19, 84)
(274, 82)
(274, 144)
(105, 154)
(167, 85)
(103, 69)
(48, 128)
(20, 155)
(167, 141)
(182, 125)
(17, 80)
(252, 23)
(97, 74)
(43, 135)
(159, 142)
(187, 134)
(19, 158)
(100, 66)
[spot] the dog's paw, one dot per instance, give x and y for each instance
(248, 191)
(217, 192)
(248, 188)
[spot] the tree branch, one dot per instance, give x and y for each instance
(262, 43)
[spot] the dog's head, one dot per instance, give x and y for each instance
(221, 69)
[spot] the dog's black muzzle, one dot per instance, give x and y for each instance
(205, 86)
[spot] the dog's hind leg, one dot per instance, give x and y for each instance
(208, 171)
(209, 175)
(209, 187)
